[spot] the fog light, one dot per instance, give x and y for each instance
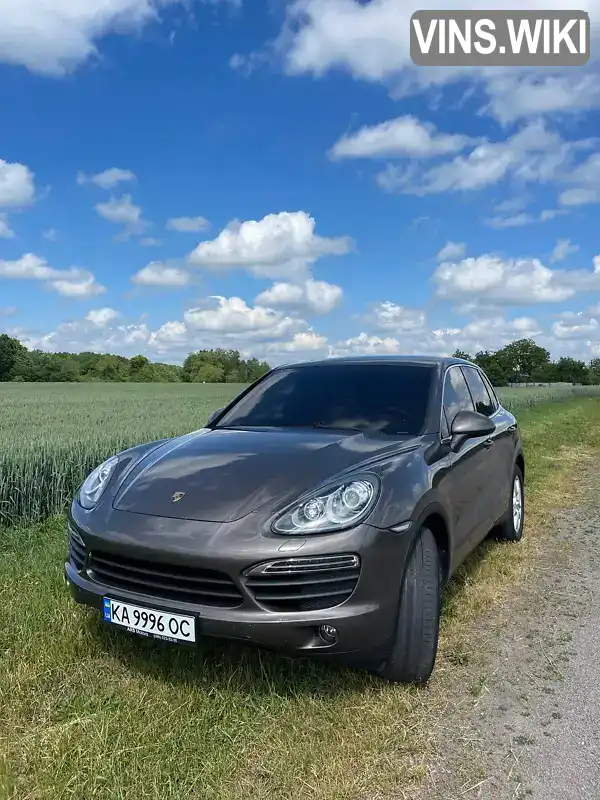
(328, 633)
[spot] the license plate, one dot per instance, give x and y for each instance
(150, 622)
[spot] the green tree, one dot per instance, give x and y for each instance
(461, 354)
(493, 366)
(594, 370)
(256, 369)
(572, 371)
(209, 373)
(12, 352)
(523, 359)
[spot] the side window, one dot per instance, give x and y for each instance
(456, 395)
(481, 397)
(492, 393)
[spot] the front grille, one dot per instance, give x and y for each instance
(76, 550)
(304, 584)
(203, 587)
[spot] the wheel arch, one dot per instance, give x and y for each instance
(520, 462)
(434, 518)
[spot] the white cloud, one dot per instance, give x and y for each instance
(277, 246)
(511, 205)
(149, 241)
(85, 286)
(303, 342)
(231, 322)
(73, 282)
(317, 297)
(122, 211)
(452, 250)
(399, 319)
(102, 316)
(371, 41)
(233, 315)
(85, 335)
(551, 213)
(582, 328)
(6, 231)
(579, 197)
(51, 234)
(107, 179)
(501, 222)
(54, 36)
(563, 249)
(188, 224)
(483, 333)
(513, 97)
(365, 344)
(157, 273)
(532, 154)
(28, 267)
(16, 182)
(512, 221)
(491, 279)
(403, 137)
(8, 311)
(585, 179)
(171, 334)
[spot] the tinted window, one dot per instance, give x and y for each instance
(384, 397)
(456, 394)
(491, 391)
(481, 396)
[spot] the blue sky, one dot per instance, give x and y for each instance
(277, 177)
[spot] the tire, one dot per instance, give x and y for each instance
(509, 529)
(412, 656)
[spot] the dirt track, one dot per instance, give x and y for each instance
(531, 727)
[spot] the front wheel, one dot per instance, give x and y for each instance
(511, 528)
(413, 653)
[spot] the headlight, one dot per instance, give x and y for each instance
(334, 508)
(96, 482)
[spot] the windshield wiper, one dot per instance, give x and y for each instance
(325, 427)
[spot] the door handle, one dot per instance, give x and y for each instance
(512, 428)
(488, 443)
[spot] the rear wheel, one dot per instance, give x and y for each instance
(511, 528)
(413, 653)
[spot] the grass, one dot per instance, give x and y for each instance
(86, 712)
(53, 435)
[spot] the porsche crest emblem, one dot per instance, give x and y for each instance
(178, 496)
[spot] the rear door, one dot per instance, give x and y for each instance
(469, 472)
(503, 449)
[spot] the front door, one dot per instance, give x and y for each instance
(466, 485)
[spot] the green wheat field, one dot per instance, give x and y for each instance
(53, 435)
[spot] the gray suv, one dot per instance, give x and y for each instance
(320, 513)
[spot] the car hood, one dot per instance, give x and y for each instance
(225, 474)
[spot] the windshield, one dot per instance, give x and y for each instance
(389, 398)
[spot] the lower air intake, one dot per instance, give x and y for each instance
(77, 550)
(305, 583)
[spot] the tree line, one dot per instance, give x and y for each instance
(17, 363)
(524, 361)
(518, 362)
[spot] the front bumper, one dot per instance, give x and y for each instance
(365, 622)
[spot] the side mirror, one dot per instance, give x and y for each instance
(214, 415)
(469, 425)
